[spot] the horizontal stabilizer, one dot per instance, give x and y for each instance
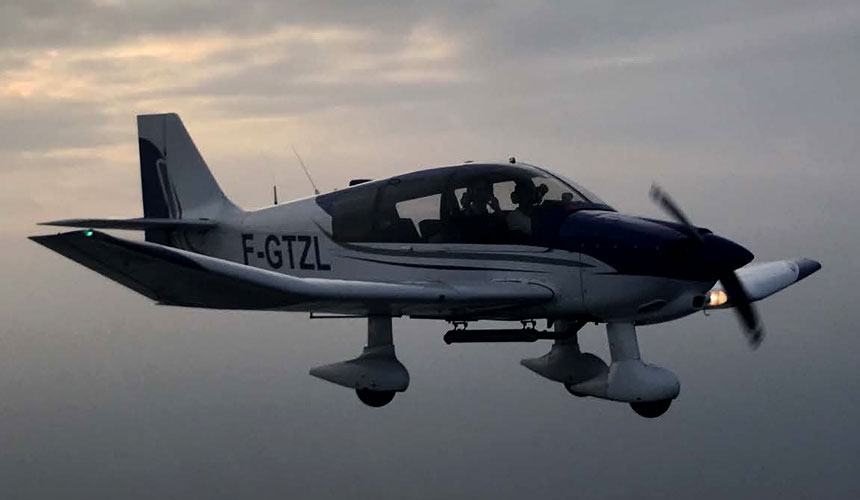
(765, 279)
(177, 277)
(137, 224)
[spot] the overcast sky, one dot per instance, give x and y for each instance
(747, 112)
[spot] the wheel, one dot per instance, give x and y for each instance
(375, 399)
(651, 409)
(569, 388)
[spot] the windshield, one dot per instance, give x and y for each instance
(510, 204)
(584, 193)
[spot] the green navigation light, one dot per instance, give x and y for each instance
(88, 232)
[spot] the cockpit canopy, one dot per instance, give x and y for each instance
(475, 203)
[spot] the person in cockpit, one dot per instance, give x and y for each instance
(525, 196)
(478, 199)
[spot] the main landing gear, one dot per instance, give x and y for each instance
(376, 375)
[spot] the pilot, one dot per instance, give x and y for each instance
(479, 199)
(525, 196)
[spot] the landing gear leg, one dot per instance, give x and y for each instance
(376, 375)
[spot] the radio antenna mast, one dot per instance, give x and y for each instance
(274, 178)
(316, 191)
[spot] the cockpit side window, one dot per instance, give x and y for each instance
(352, 213)
(409, 209)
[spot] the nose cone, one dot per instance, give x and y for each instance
(724, 254)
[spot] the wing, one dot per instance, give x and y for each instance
(177, 277)
(765, 279)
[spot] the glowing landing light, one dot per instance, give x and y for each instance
(88, 232)
(717, 298)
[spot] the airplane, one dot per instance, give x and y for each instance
(504, 241)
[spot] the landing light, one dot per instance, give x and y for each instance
(717, 298)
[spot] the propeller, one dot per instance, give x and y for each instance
(669, 206)
(753, 328)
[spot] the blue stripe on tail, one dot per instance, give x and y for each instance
(154, 202)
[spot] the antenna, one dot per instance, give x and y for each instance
(316, 191)
(275, 188)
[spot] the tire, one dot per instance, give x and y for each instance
(651, 409)
(375, 399)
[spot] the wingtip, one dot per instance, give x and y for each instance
(805, 267)
(44, 239)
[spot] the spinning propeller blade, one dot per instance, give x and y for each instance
(669, 206)
(753, 328)
(744, 308)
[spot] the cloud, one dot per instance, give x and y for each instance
(30, 125)
(382, 87)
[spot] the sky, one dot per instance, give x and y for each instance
(748, 112)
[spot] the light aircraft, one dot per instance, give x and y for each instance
(476, 241)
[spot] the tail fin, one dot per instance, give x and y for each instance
(175, 181)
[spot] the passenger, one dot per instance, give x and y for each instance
(480, 220)
(479, 199)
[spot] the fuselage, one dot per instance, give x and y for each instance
(479, 223)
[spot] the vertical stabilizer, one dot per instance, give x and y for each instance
(175, 181)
